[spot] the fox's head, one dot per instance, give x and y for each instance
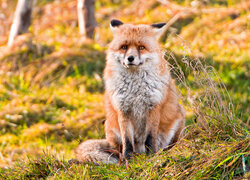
(135, 46)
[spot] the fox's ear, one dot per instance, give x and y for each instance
(158, 29)
(114, 24)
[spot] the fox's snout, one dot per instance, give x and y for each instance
(132, 61)
(131, 57)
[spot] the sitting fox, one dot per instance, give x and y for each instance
(143, 114)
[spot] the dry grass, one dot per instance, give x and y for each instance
(211, 104)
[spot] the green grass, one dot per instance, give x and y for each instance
(51, 93)
(194, 157)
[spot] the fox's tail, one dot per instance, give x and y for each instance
(96, 151)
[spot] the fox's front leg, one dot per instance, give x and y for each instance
(152, 135)
(126, 129)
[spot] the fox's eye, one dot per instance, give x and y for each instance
(141, 48)
(124, 47)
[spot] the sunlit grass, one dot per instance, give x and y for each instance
(51, 94)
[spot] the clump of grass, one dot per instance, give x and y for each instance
(213, 120)
(211, 104)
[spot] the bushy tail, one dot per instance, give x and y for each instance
(96, 151)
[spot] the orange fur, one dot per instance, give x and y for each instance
(129, 131)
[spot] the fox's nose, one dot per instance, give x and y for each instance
(131, 58)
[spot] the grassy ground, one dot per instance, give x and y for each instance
(51, 91)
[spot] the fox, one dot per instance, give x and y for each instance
(143, 113)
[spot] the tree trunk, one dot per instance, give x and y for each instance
(22, 19)
(86, 17)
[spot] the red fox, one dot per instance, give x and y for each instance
(143, 114)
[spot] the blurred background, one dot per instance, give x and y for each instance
(52, 60)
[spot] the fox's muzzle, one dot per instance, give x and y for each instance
(131, 57)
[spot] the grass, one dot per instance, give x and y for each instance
(192, 158)
(51, 92)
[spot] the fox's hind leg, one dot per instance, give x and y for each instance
(179, 132)
(112, 128)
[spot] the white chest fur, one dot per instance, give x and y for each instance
(135, 93)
